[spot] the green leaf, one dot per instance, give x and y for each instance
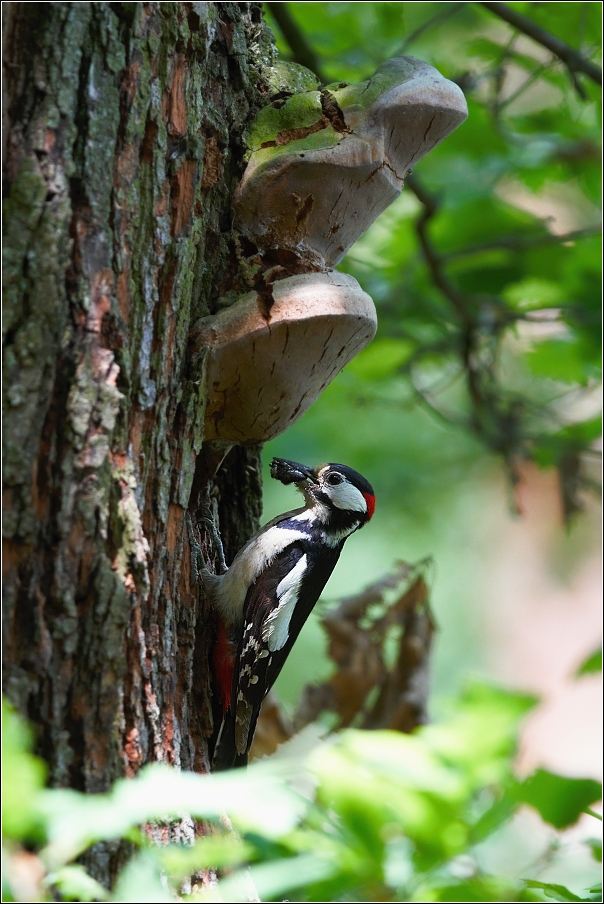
(141, 881)
(557, 892)
(532, 294)
(571, 439)
(595, 845)
(493, 818)
(592, 664)
(257, 799)
(478, 888)
(481, 734)
(75, 884)
(560, 359)
(559, 800)
(272, 880)
(23, 778)
(211, 852)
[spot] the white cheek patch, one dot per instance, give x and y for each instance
(276, 627)
(346, 496)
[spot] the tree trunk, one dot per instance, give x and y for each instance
(123, 145)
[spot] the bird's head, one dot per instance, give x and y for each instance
(340, 490)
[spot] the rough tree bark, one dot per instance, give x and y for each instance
(123, 125)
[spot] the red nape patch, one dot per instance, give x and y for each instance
(223, 659)
(370, 500)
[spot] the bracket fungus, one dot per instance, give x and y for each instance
(264, 371)
(323, 164)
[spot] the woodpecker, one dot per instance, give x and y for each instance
(270, 589)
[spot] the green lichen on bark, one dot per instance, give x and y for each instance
(301, 111)
(305, 118)
(286, 78)
(326, 137)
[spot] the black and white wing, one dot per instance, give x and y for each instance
(276, 607)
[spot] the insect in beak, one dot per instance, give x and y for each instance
(291, 471)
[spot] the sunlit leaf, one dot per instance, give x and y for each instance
(273, 880)
(141, 880)
(595, 846)
(74, 884)
(482, 733)
(560, 359)
(211, 852)
(559, 800)
(479, 888)
(592, 664)
(256, 798)
(23, 776)
(556, 892)
(532, 294)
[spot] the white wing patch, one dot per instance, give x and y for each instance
(346, 496)
(248, 564)
(276, 627)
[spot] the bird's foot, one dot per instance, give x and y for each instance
(198, 564)
(208, 521)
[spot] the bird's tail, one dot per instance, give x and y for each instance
(225, 750)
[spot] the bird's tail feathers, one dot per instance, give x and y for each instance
(225, 751)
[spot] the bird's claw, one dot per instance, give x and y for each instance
(198, 565)
(217, 542)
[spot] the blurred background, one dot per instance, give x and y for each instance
(475, 411)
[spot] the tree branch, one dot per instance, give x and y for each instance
(494, 423)
(438, 19)
(302, 52)
(573, 60)
(433, 258)
(523, 87)
(424, 400)
(520, 243)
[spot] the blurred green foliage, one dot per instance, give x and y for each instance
(593, 663)
(486, 273)
(361, 817)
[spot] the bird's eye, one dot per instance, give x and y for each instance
(334, 479)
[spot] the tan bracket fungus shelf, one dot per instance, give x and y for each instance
(262, 375)
(324, 164)
(318, 194)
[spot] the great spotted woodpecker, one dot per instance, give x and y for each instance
(270, 589)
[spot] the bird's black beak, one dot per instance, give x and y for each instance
(291, 471)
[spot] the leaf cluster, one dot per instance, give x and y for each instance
(360, 816)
